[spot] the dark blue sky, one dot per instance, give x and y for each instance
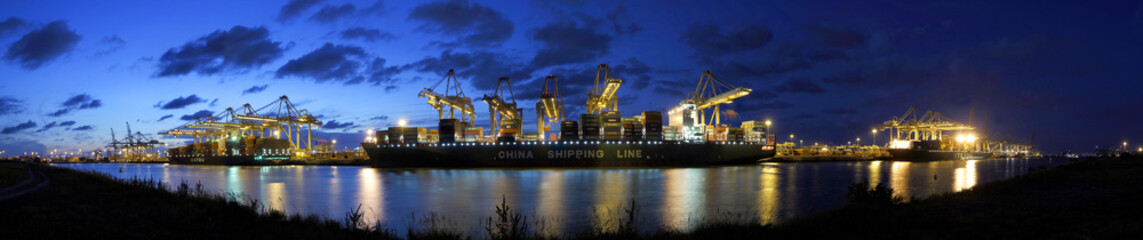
(1064, 72)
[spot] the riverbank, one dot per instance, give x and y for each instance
(85, 206)
(1092, 198)
(1085, 199)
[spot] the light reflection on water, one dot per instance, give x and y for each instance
(570, 200)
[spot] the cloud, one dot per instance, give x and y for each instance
(476, 24)
(330, 13)
(214, 102)
(799, 85)
(77, 102)
(366, 34)
(46, 127)
(330, 62)
(10, 105)
(165, 117)
(19, 127)
(635, 73)
(181, 102)
(613, 17)
(11, 24)
(833, 36)
(204, 114)
(482, 68)
(710, 41)
(567, 42)
(390, 88)
(67, 123)
(294, 8)
(333, 124)
(841, 111)
(255, 89)
(42, 45)
(110, 45)
(382, 117)
(239, 48)
(83, 128)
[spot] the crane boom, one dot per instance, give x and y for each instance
(551, 105)
(453, 98)
(605, 97)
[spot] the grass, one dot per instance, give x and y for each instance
(12, 172)
(1093, 198)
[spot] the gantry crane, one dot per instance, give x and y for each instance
(501, 110)
(710, 92)
(453, 98)
(136, 147)
(928, 126)
(282, 114)
(550, 106)
(603, 98)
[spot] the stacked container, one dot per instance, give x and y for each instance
(754, 131)
(735, 135)
(473, 134)
(382, 137)
(569, 131)
(509, 130)
(447, 130)
(652, 126)
(671, 133)
(415, 135)
(629, 129)
(396, 135)
(612, 126)
(589, 127)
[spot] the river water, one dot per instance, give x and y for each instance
(571, 200)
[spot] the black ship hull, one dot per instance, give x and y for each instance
(932, 155)
(564, 154)
(232, 160)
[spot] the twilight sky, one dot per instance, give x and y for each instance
(1064, 73)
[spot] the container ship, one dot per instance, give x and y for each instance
(600, 138)
(251, 150)
(922, 151)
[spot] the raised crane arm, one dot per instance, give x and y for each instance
(453, 98)
(551, 105)
(603, 97)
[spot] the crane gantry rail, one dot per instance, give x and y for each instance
(711, 92)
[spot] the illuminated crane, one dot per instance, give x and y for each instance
(283, 115)
(135, 147)
(926, 127)
(453, 98)
(603, 98)
(551, 105)
(502, 110)
(710, 92)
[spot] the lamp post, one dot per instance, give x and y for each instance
(874, 136)
(791, 138)
(858, 141)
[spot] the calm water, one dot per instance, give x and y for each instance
(574, 198)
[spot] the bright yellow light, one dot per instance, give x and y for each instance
(401, 123)
(900, 144)
(767, 123)
(970, 138)
(874, 131)
(960, 138)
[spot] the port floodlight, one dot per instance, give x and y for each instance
(401, 123)
(970, 138)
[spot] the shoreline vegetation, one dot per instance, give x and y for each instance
(1087, 198)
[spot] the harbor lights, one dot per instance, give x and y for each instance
(401, 123)
(768, 127)
(791, 138)
(875, 136)
(858, 141)
(1124, 146)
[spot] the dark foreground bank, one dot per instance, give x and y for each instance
(1091, 198)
